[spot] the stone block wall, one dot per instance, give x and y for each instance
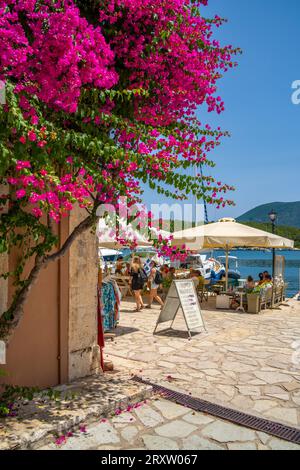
(84, 354)
(4, 267)
(3, 283)
(57, 340)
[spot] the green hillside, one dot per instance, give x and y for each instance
(286, 231)
(288, 213)
(293, 233)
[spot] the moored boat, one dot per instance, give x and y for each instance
(210, 268)
(233, 266)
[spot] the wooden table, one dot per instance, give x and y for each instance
(123, 284)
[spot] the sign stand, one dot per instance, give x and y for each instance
(182, 296)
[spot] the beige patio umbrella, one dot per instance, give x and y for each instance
(107, 239)
(228, 234)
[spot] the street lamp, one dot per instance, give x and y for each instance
(273, 217)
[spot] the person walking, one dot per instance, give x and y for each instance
(139, 278)
(155, 280)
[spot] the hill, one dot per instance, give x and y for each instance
(293, 233)
(288, 213)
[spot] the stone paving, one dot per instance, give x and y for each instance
(247, 362)
(81, 402)
(161, 425)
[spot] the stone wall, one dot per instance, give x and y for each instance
(4, 267)
(57, 340)
(84, 355)
(3, 282)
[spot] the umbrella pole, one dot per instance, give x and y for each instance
(227, 266)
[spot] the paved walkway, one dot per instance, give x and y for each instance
(82, 402)
(247, 362)
(162, 425)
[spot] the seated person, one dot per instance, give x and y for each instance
(261, 278)
(264, 277)
(268, 280)
(164, 270)
(264, 285)
(195, 275)
(250, 284)
(126, 269)
(119, 265)
(171, 274)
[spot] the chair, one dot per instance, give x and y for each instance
(202, 292)
(278, 295)
(269, 297)
(266, 299)
(123, 284)
(263, 300)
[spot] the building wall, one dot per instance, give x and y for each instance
(33, 353)
(3, 282)
(4, 267)
(56, 341)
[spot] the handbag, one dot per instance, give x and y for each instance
(142, 276)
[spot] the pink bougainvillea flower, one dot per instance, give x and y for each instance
(22, 164)
(38, 213)
(32, 136)
(60, 440)
(137, 74)
(42, 143)
(34, 120)
(138, 405)
(20, 193)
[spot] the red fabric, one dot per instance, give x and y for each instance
(101, 341)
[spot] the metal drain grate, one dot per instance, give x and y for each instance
(286, 433)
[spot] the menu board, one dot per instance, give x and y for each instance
(190, 304)
(182, 296)
(2, 352)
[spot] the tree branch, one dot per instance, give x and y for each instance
(10, 319)
(81, 228)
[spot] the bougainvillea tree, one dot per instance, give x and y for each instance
(101, 97)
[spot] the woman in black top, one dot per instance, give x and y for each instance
(139, 278)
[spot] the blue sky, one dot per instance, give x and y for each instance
(262, 157)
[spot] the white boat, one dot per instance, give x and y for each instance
(233, 266)
(210, 268)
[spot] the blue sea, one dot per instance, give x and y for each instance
(251, 263)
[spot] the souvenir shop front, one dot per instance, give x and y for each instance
(109, 301)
